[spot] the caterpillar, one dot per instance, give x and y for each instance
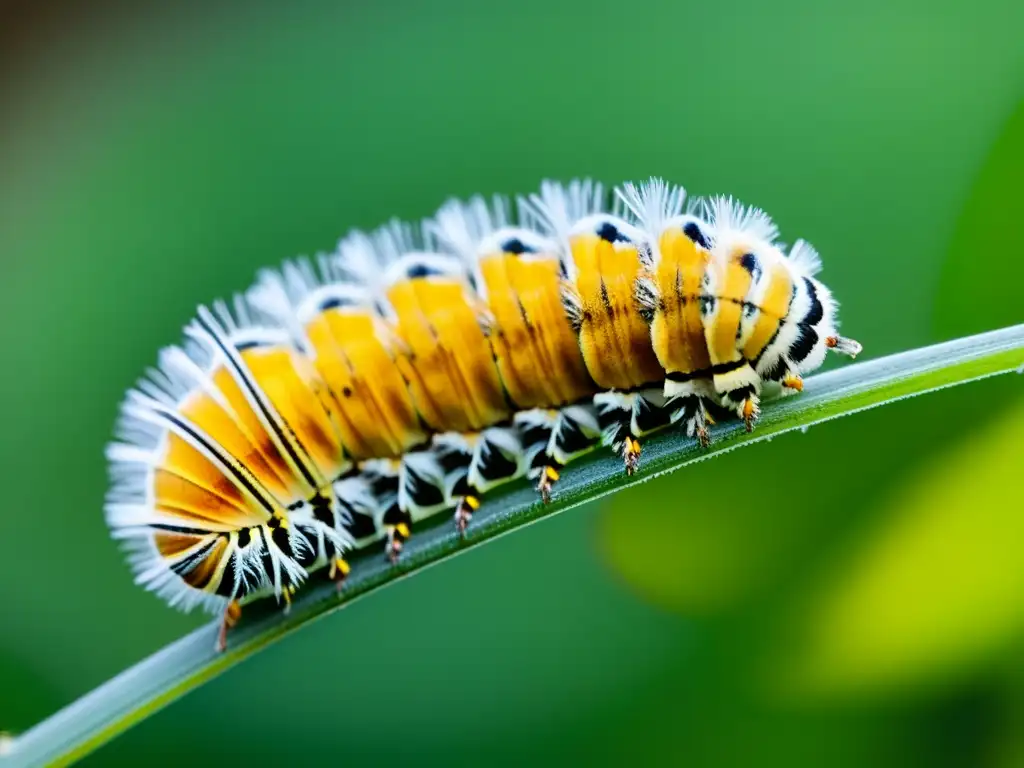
(340, 400)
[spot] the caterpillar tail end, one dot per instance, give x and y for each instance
(849, 347)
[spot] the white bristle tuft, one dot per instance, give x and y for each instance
(459, 227)
(804, 257)
(652, 204)
(729, 216)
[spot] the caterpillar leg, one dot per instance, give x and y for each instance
(552, 439)
(287, 594)
(464, 510)
(692, 413)
(626, 417)
(232, 613)
(536, 428)
(428, 483)
(397, 535)
(339, 571)
(793, 381)
(549, 475)
(739, 389)
(631, 454)
(498, 457)
(615, 416)
(751, 411)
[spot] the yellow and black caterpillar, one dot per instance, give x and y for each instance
(334, 404)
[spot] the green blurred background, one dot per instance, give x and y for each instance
(857, 598)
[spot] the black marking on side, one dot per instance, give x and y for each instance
(777, 372)
(418, 269)
(495, 465)
(307, 555)
(461, 486)
(186, 564)
(535, 433)
(693, 231)
(422, 493)
(454, 459)
(199, 532)
(688, 406)
(750, 263)
(227, 586)
(571, 439)
(334, 302)
(740, 394)
(816, 312)
(361, 526)
(650, 417)
(228, 464)
(278, 424)
(611, 234)
(323, 512)
(381, 483)
(535, 438)
(266, 560)
(280, 537)
(516, 247)
(395, 516)
(681, 377)
(615, 422)
(803, 345)
(250, 344)
(729, 367)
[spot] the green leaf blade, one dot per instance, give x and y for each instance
(184, 665)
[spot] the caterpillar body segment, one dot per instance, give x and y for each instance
(336, 323)
(603, 254)
(222, 469)
(439, 319)
(345, 399)
(520, 274)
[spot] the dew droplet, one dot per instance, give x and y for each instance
(1020, 368)
(804, 428)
